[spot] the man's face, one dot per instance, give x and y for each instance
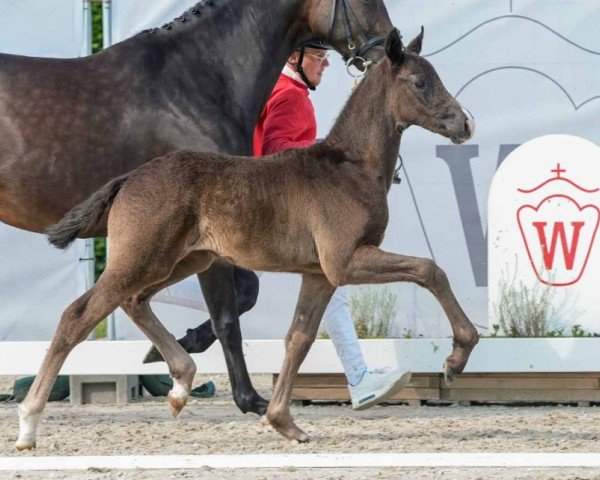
(314, 63)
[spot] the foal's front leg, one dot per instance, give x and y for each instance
(370, 264)
(315, 294)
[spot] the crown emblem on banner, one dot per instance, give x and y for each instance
(557, 231)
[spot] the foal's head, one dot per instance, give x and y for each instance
(418, 96)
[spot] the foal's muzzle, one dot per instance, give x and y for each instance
(464, 129)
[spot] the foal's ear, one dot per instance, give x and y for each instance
(394, 48)
(415, 45)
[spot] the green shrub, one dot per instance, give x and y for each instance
(525, 311)
(373, 311)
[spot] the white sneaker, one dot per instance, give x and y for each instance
(377, 386)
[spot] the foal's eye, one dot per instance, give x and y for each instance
(420, 83)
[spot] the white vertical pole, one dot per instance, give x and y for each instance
(106, 24)
(107, 42)
(87, 29)
(89, 258)
(86, 49)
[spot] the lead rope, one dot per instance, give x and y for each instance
(397, 180)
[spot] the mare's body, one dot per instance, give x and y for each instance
(67, 126)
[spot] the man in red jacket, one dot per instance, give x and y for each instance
(288, 121)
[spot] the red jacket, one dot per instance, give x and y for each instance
(287, 121)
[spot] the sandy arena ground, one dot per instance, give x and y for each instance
(210, 426)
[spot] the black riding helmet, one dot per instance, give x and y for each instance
(319, 45)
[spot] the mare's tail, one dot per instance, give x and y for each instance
(84, 216)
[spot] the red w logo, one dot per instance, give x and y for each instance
(558, 232)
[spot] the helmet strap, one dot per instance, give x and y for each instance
(300, 70)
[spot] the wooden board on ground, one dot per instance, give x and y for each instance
(334, 387)
(469, 387)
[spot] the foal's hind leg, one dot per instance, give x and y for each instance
(370, 264)
(199, 339)
(219, 292)
(76, 323)
(181, 366)
(315, 294)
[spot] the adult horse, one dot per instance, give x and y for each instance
(325, 208)
(199, 82)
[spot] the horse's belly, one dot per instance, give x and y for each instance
(267, 252)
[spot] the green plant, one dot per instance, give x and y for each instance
(373, 310)
(96, 26)
(525, 311)
(496, 328)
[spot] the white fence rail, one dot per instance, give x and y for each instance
(266, 356)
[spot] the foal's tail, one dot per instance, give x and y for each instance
(84, 216)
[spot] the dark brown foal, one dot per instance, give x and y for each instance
(321, 212)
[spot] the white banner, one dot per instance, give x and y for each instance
(524, 68)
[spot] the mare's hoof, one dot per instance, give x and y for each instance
(260, 407)
(153, 356)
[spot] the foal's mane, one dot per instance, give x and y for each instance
(193, 14)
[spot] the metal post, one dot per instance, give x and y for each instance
(106, 24)
(110, 321)
(86, 48)
(89, 258)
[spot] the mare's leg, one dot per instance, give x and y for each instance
(314, 296)
(370, 264)
(199, 339)
(219, 293)
(76, 323)
(181, 366)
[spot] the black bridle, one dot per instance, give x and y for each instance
(355, 53)
(347, 14)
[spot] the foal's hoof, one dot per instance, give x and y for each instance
(153, 356)
(265, 424)
(177, 398)
(450, 372)
(24, 445)
(293, 433)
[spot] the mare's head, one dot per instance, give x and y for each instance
(355, 28)
(418, 96)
